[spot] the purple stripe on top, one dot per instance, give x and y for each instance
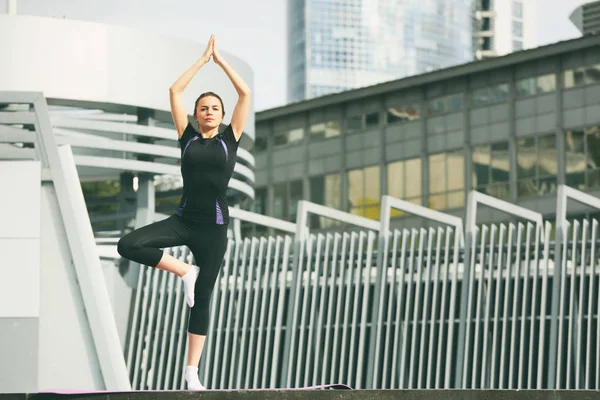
(225, 147)
(180, 209)
(219, 214)
(188, 143)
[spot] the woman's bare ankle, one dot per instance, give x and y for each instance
(171, 264)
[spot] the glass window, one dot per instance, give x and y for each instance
(517, 45)
(280, 139)
(490, 95)
(517, 9)
(582, 158)
(536, 85)
(260, 201)
(364, 193)
(280, 201)
(517, 29)
(355, 123)
(325, 190)
(582, 76)
(325, 130)
(295, 135)
(372, 120)
(403, 114)
(260, 144)
(446, 104)
(296, 194)
(486, 43)
(446, 180)
(546, 83)
(491, 169)
(536, 165)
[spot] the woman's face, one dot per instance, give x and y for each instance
(209, 113)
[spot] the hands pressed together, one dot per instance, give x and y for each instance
(211, 51)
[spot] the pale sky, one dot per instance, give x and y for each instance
(255, 31)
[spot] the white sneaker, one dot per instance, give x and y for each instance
(191, 377)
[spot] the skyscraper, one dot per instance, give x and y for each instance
(587, 18)
(503, 26)
(336, 45)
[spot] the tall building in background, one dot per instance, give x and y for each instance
(587, 18)
(335, 45)
(503, 26)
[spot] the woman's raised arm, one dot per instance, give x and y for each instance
(242, 107)
(178, 112)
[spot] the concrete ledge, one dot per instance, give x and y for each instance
(299, 394)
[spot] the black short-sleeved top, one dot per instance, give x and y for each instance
(206, 168)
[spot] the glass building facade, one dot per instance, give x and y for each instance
(512, 127)
(335, 45)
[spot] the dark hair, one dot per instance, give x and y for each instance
(207, 94)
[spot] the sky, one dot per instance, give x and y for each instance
(254, 31)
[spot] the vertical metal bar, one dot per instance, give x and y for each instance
(170, 381)
(408, 306)
(159, 326)
(488, 305)
(435, 276)
(515, 317)
(469, 316)
(183, 343)
(271, 358)
(536, 263)
(357, 280)
(253, 357)
(262, 327)
(524, 307)
(306, 366)
(330, 300)
(442, 319)
(595, 264)
(452, 310)
(220, 332)
(231, 334)
(379, 304)
(134, 330)
(306, 277)
(280, 310)
(390, 309)
(142, 328)
(364, 311)
(397, 324)
(345, 282)
(416, 306)
(561, 311)
(319, 366)
(242, 329)
(580, 306)
(425, 311)
(294, 303)
(156, 275)
(497, 290)
(507, 294)
(349, 300)
(478, 314)
(571, 320)
(339, 322)
(168, 322)
(542, 337)
(588, 346)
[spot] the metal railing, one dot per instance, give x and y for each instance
(407, 309)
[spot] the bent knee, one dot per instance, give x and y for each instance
(125, 246)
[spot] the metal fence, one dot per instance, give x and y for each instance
(500, 307)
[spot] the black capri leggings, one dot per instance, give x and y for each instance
(207, 242)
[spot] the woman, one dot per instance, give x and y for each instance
(207, 162)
